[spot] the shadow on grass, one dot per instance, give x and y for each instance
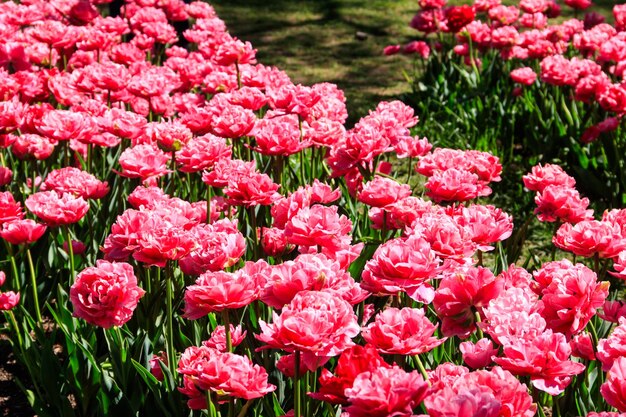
(316, 41)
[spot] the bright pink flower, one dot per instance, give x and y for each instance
(402, 265)
(619, 13)
(317, 193)
(542, 176)
(318, 226)
(75, 181)
(404, 332)
(613, 98)
(381, 192)
(391, 49)
(578, 4)
(583, 347)
(488, 224)
(309, 272)
(400, 214)
(293, 99)
(155, 365)
(160, 241)
(457, 392)
(506, 15)
(485, 5)
(462, 292)
(545, 359)
(478, 355)
(146, 196)
(221, 245)
(524, 76)
(3, 278)
(590, 237)
(251, 190)
(278, 136)
(316, 322)
(6, 175)
(534, 20)
(561, 203)
(533, 6)
(78, 247)
(446, 236)
(207, 369)
(515, 276)
(513, 315)
(168, 136)
(351, 363)
(218, 291)
(144, 161)
(614, 389)
(507, 37)
(231, 121)
(570, 295)
(308, 363)
(227, 170)
(61, 125)
(248, 97)
(35, 146)
(233, 51)
(125, 124)
(274, 241)
(432, 4)
(22, 231)
(455, 185)
(386, 392)
(590, 86)
(483, 164)
(612, 311)
(57, 210)
(106, 295)
(457, 17)
(8, 300)
(558, 70)
(218, 338)
(412, 147)
(614, 346)
(10, 209)
(420, 48)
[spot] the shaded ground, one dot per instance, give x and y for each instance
(12, 401)
(316, 41)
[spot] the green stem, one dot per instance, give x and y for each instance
(244, 409)
(33, 283)
(16, 277)
(480, 332)
(297, 406)
(229, 342)
(208, 204)
(18, 331)
(238, 75)
(70, 250)
(171, 352)
(253, 226)
(211, 410)
(421, 368)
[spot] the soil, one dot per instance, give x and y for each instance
(12, 400)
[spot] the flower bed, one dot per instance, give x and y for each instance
(187, 232)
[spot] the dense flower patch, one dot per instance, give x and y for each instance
(186, 229)
(530, 79)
